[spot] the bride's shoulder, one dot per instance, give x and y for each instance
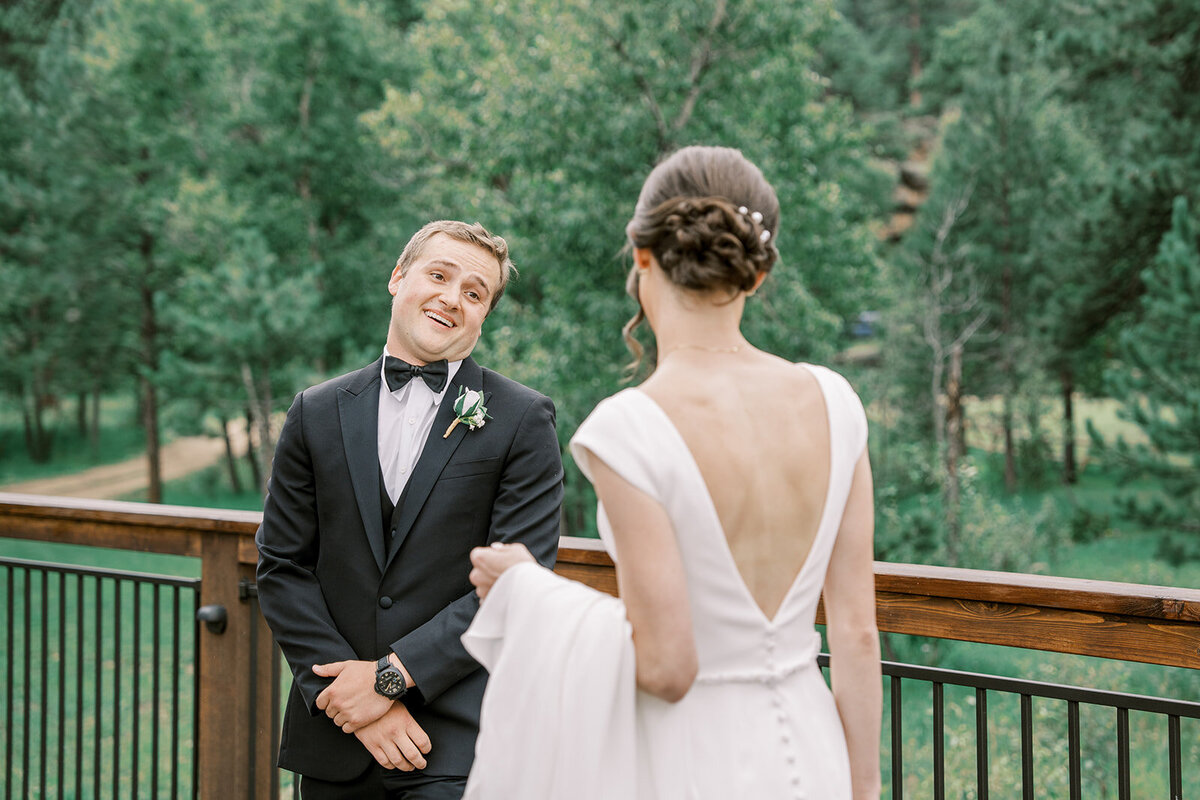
(827, 376)
(614, 411)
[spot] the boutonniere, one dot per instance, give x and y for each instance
(468, 408)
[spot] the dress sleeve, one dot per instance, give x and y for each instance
(847, 412)
(612, 434)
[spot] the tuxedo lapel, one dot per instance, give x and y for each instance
(436, 453)
(358, 409)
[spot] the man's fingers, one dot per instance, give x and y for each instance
(410, 752)
(480, 581)
(419, 738)
(380, 757)
(397, 758)
(329, 670)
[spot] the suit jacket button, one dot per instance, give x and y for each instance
(385, 602)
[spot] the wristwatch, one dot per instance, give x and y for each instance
(389, 681)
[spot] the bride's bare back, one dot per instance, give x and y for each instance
(758, 429)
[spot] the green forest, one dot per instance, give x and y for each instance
(991, 225)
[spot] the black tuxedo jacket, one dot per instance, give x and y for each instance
(332, 589)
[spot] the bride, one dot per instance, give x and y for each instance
(734, 489)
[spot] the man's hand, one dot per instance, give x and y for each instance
(395, 740)
(489, 563)
(351, 700)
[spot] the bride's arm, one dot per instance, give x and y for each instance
(653, 585)
(853, 635)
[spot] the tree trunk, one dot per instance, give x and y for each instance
(251, 452)
(914, 52)
(94, 427)
(37, 438)
(149, 392)
(235, 482)
(954, 439)
(260, 419)
(35, 432)
(81, 417)
(1070, 474)
(1009, 365)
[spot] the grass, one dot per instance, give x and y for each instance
(984, 415)
(121, 437)
(209, 488)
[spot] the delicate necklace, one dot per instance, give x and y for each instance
(735, 348)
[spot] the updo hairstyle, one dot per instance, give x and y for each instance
(690, 216)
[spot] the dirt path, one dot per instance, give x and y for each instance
(180, 457)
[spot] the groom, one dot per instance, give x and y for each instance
(379, 490)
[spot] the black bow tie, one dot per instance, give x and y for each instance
(398, 373)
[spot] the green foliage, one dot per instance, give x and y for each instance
(541, 119)
(1158, 382)
(995, 534)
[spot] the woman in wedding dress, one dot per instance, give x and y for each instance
(734, 488)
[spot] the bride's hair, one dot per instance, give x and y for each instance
(710, 218)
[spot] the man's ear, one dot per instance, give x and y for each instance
(394, 281)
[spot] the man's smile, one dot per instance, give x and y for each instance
(441, 319)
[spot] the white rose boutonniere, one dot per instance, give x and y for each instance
(468, 408)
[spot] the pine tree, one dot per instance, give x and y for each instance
(1159, 384)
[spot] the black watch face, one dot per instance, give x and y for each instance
(389, 683)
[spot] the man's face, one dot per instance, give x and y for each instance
(439, 305)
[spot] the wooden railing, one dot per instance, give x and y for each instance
(1151, 624)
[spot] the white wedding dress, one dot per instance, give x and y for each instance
(758, 724)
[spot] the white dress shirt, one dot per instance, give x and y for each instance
(405, 419)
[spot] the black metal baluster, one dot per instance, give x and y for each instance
(981, 744)
(897, 742)
(116, 714)
(175, 695)
(1026, 747)
(195, 692)
(98, 662)
(1175, 757)
(1073, 750)
(79, 696)
(939, 742)
(9, 666)
(1123, 753)
(62, 681)
(44, 715)
(137, 681)
(27, 677)
(252, 711)
(155, 689)
(274, 716)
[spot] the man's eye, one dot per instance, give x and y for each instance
(437, 275)
(473, 295)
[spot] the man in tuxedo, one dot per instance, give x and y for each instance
(377, 496)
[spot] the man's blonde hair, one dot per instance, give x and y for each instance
(471, 233)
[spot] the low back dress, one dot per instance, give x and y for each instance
(760, 722)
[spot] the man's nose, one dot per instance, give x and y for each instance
(448, 296)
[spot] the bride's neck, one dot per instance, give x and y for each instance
(698, 325)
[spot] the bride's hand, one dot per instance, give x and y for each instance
(488, 563)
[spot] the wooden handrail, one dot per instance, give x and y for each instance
(1069, 615)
